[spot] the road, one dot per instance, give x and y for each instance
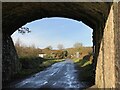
(59, 75)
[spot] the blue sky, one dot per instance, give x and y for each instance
(54, 31)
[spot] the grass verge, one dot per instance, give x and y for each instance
(85, 68)
(33, 65)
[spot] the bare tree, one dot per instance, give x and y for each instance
(49, 47)
(60, 46)
(77, 45)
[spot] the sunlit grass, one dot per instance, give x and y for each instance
(76, 60)
(86, 63)
(50, 62)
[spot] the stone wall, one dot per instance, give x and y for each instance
(117, 43)
(118, 48)
(108, 61)
(10, 62)
(105, 70)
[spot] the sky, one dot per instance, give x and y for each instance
(54, 31)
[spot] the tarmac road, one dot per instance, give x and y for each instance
(59, 75)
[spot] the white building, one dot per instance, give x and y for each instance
(42, 55)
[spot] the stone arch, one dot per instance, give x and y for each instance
(16, 15)
(97, 15)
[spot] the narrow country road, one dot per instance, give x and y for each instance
(59, 75)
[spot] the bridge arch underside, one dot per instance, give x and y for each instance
(95, 15)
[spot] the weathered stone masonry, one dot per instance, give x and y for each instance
(10, 65)
(117, 42)
(108, 62)
(103, 17)
(105, 72)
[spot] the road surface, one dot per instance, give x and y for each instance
(59, 75)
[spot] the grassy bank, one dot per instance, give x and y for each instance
(85, 68)
(30, 66)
